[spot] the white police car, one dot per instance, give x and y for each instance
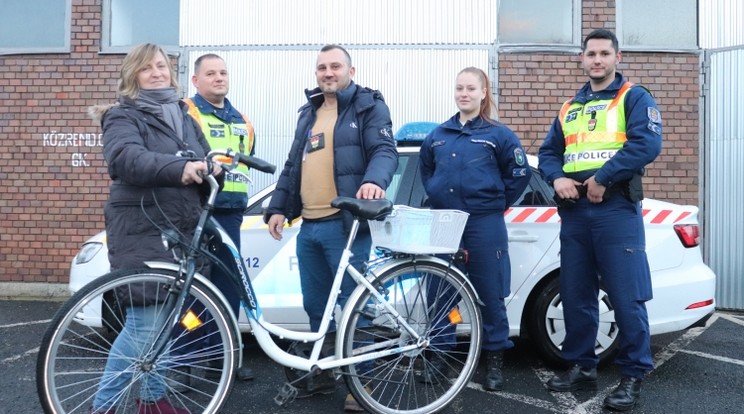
(683, 286)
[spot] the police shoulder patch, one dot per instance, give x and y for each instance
(519, 157)
(654, 115)
(519, 172)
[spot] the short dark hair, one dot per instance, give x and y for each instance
(601, 34)
(326, 48)
(201, 58)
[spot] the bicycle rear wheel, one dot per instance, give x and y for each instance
(75, 350)
(442, 308)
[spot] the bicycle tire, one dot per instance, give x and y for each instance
(429, 378)
(73, 355)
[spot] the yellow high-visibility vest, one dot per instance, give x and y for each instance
(237, 136)
(593, 132)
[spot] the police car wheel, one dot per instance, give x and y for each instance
(546, 328)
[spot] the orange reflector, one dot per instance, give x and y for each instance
(190, 321)
(223, 159)
(454, 316)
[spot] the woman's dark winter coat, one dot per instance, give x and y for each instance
(146, 193)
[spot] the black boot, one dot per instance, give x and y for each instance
(494, 378)
(625, 395)
(436, 369)
(576, 378)
(244, 374)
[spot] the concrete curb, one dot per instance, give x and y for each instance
(33, 291)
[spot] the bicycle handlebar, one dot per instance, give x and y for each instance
(231, 158)
(257, 163)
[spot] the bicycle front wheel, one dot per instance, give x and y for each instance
(440, 306)
(94, 355)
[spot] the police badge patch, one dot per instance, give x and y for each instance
(654, 115)
(655, 128)
(239, 131)
(519, 157)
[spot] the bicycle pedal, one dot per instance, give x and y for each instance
(286, 395)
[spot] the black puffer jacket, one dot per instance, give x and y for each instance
(140, 151)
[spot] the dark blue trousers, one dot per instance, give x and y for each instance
(319, 248)
(605, 243)
(489, 270)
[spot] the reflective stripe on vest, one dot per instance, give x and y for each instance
(594, 131)
(222, 136)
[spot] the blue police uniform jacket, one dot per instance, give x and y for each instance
(643, 132)
(363, 148)
(479, 167)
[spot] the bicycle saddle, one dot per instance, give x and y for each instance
(376, 209)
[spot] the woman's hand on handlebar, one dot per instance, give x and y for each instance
(193, 172)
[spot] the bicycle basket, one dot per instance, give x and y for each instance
(419, 231)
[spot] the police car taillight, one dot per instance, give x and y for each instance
(689, 234)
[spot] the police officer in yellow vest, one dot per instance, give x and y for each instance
(224, 127)
(594, 156)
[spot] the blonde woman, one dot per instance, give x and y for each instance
(144, 137)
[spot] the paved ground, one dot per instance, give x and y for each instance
(700, 370)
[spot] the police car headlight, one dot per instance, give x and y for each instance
(88, 252)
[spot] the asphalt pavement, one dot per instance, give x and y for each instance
(699, 370)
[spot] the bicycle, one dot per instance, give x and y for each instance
(408, 340)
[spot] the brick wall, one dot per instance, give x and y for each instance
(55, 183)
(53, 175)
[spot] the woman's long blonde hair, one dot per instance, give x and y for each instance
(134, 61)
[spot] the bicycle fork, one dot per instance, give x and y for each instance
(171, 314)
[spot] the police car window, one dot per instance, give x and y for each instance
(257, 205)
(392, 190)
(534, 194)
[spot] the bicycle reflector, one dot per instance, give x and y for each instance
(190, 321)
(454, 316)
(223, 159)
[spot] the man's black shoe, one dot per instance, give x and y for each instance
(494, 377)
(214, 371)
(245, 374)
(436, 370)
(625, 395)
(576, 378)
(323, 383)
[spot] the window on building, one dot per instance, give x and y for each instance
(657, 25)
(539, 22)
(41, 28)
(130, 22)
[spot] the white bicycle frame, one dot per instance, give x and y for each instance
(263, 329)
